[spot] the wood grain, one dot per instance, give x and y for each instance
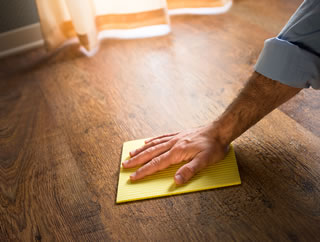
(64, 117)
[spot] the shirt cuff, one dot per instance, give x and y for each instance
(287, 63)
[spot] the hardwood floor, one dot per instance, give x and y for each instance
(63, 120)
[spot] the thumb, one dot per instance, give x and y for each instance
(186, 172)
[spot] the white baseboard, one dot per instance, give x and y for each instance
(21, 39)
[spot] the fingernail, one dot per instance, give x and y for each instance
(132, 176)
(179, 179)
(131, 153)
(124, 163)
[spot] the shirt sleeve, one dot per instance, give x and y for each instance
(293, 57)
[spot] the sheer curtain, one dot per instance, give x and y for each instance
(88, 21)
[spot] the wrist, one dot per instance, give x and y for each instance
(221, 131)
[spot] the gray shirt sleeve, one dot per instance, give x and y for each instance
(293, 57)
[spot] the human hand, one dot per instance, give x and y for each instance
(200, 147)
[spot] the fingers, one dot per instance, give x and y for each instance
(157, 164)
(148, 145)
(186, 172)
(148, 154)
(159, 137)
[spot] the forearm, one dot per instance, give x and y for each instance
(209, 144)
(259, 97)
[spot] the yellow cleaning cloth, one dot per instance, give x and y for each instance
(221, 174)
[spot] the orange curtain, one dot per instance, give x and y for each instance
(90, 20)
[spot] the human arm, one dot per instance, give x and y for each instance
(287, 63)
(209, 144)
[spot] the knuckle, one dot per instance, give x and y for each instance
(154, 142)
(150, 150)
(155, 162)
(179, 148)
(183, 146)
(161, 146)
(189, 170)
(138, 150)
(154, 165)
(174, 140)
(187, 140)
